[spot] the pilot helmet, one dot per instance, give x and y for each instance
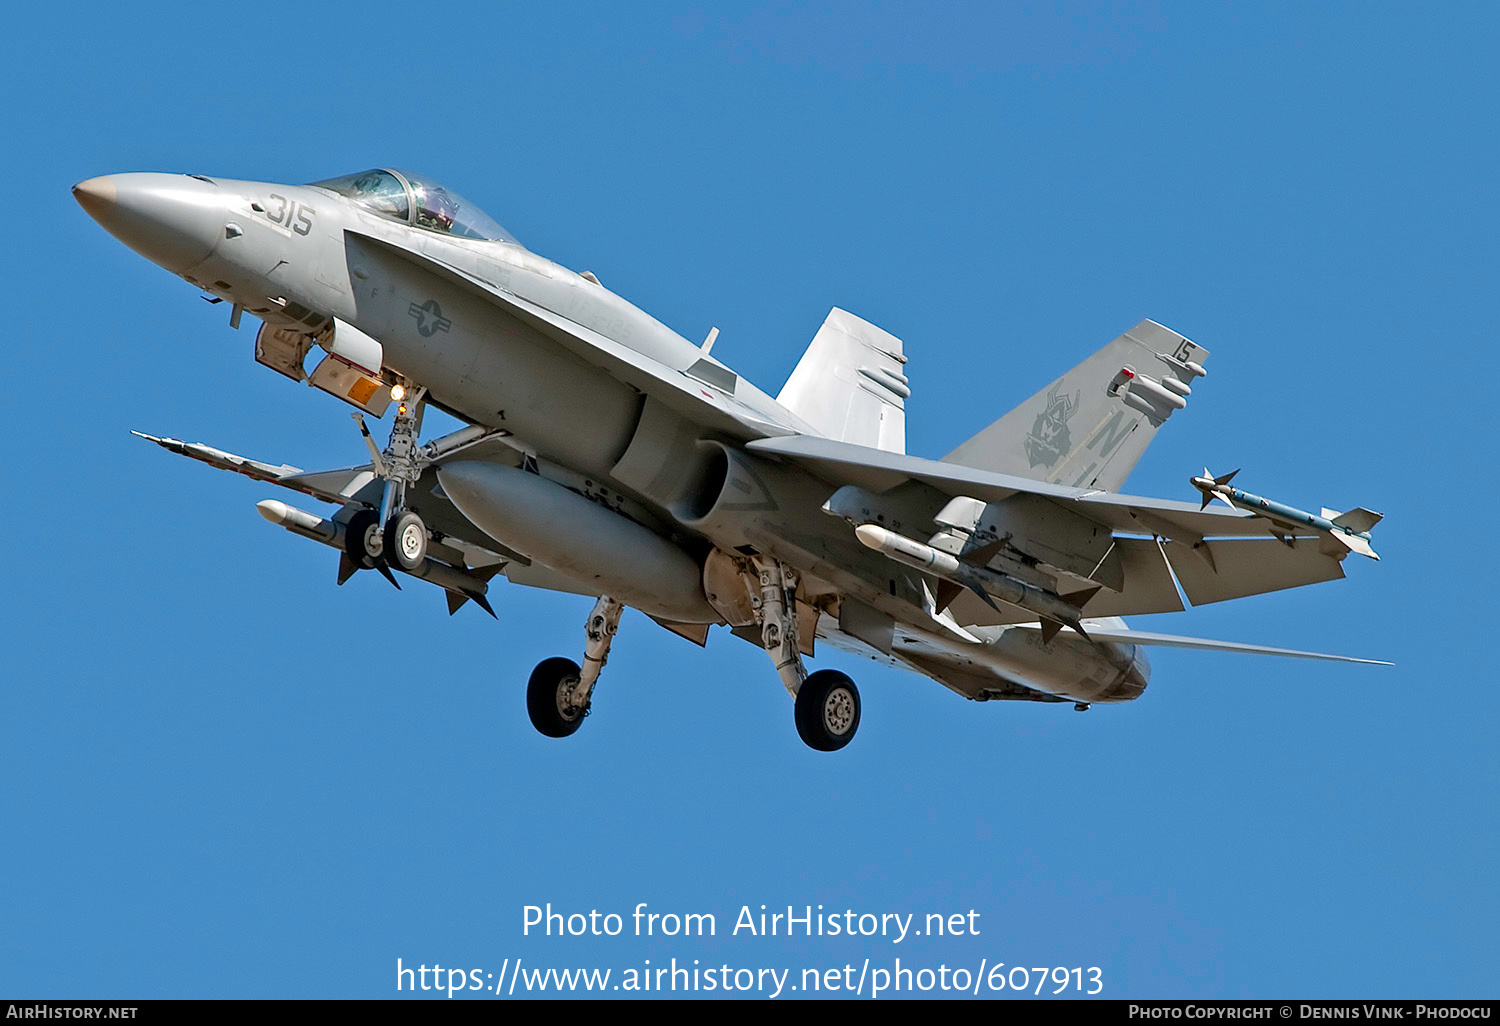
(435, 208)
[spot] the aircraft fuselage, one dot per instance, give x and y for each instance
(304, 257)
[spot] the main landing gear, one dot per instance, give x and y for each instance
(826, 702)
(826, 707)
(827, 710)
(559, 691)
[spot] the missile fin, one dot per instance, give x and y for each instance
(347, 568)
(385, 572)
(1353, 543)
(483, 603)
(1079, 599)
(1050, 628)
(1210, 494)
(947, 591)
(976, 589)
(1358, 519)
(982, 555)
(456, 600)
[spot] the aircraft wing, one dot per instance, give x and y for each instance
(462, 542)
(330, 486)
(876, 470)
(698, 398)
(1162, 549)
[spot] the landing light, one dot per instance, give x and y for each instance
(398, 392)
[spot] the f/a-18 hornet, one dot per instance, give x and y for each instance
(605, 454)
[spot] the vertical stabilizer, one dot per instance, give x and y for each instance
(849, 385)
(1090, 427)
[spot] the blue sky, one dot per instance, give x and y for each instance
(223, 776)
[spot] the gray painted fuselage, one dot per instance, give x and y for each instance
(423, 295)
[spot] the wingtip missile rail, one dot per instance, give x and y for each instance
(1351, 529)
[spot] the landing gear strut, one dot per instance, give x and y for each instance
(777, 609)
(405, 535)
(396, 535)
(559, 692)
(827, 702)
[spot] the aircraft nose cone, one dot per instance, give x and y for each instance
(172, 220)
(96, 196)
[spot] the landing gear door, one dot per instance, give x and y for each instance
(352, 385)
(283, 350)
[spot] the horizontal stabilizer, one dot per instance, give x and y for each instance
(1174, 641)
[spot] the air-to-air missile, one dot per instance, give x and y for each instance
(462, 585)
(1351, 529)
(1053, 610)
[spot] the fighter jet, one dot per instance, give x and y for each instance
(607, 455)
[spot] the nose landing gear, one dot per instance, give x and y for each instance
(396, 535)
(405, 540)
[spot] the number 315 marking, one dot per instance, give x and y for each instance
(296, 216)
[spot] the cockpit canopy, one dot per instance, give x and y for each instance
(414, 199)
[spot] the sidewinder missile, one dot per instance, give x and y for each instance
(460, 583)
(1053, 610)
(1351, 529)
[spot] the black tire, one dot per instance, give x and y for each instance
(354, 538)
(406, 541)
(543, 693)
(827, 710)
